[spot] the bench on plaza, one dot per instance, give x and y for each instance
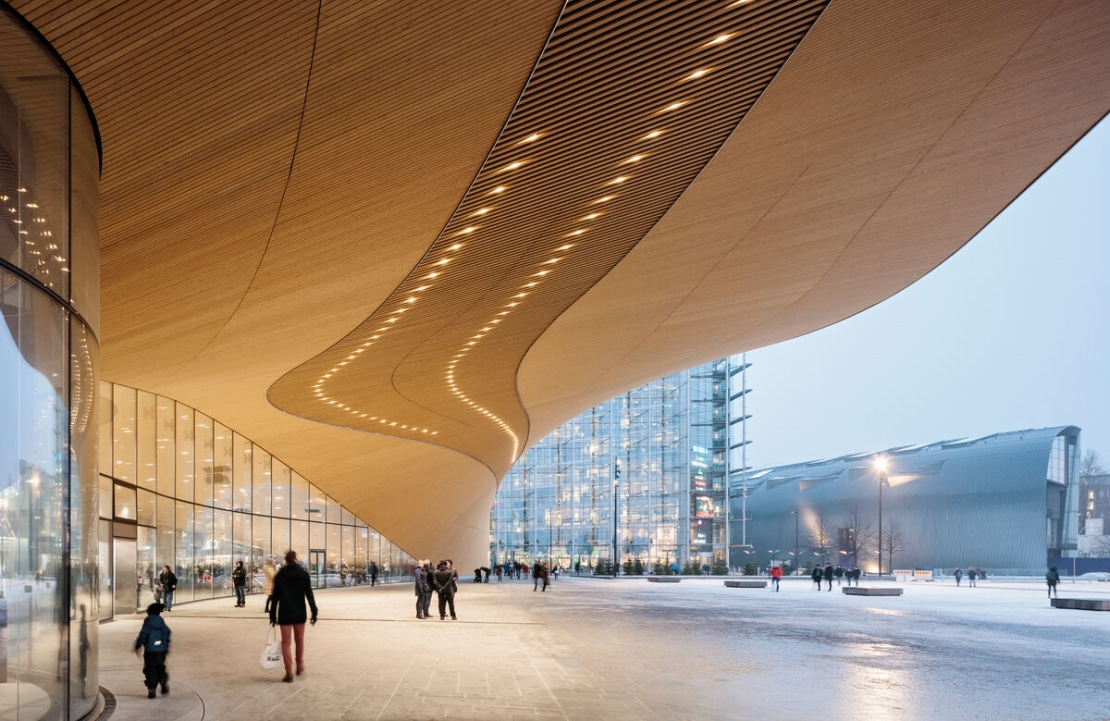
(664, 579)
(871, 591)
(1082, 604)
(745, 584)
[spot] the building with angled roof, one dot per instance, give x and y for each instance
(1004, 502)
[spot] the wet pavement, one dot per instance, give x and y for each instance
(628, 649)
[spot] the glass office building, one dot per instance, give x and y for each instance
(646, 470)
(180, 489)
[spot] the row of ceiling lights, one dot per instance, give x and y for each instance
(580, 228)
(44, 235)
(434, 268)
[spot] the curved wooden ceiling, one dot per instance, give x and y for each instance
(283, 183)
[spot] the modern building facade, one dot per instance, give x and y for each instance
(655, 459)
(180, 489)
(395, 265)
(1004, 502)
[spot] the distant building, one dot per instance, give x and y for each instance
(1005, 502)
(670, 441)
(1094, 516)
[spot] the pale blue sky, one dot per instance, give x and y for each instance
(1012, 332)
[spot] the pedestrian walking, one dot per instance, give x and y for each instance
(855, 575)
(839, 572)
(154, 640)
(776, 576)
(374, 573)
(239, 580)
(971, 575)
(292, 587)
(828, 577)
(958, 574)
(816, 576)
(269, 570)
(1053, 578)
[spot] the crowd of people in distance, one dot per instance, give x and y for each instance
(828, 573)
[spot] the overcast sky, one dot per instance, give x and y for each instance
(1012, 332)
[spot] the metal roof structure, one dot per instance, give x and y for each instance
(980, 501)
(398, 243)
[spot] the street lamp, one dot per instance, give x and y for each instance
(795, 513)
(616, 485)
(880, 466)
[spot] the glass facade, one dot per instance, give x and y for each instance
(180, 489)
(49, 168)
(647, 469)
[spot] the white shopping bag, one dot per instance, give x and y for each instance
(271, 652)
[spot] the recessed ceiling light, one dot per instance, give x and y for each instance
(568, 246)
(619, 180)
(513, 165)
(480, 211)
(531, 138)
(635, 159)
(605, 198)
(499, 189)
(719, 39)
(701, 73)
(674, 106)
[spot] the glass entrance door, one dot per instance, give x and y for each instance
(316, 567)
(124, 555)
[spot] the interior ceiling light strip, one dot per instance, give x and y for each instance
(625, 106)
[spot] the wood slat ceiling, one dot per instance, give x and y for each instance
(280, 178)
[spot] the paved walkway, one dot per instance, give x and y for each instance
(599, 649)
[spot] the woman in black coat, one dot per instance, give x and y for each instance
(292, 586)
(239, 580)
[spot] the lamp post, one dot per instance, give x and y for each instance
(616, 485)
(795, 569)
(880, 467)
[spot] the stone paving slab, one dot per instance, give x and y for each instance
(618, 650)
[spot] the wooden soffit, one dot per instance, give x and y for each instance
(397, 243)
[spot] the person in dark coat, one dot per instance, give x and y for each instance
(856, 575)
(421, 587)
(292, 586)
(154, 639)
(839, 573)
(958, 575)
(168, 581)
(828, 576)
(1053, 578)
(444, 582)
(239, 580)
(816, 576)
(373, 573)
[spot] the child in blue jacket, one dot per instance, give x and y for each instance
(154, 639)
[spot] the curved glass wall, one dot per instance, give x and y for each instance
(49, 167)
(180, 489)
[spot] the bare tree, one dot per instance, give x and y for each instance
(1091, 465)
(859, 534)
(894, 541)
(821, 536)
(1101, 547)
